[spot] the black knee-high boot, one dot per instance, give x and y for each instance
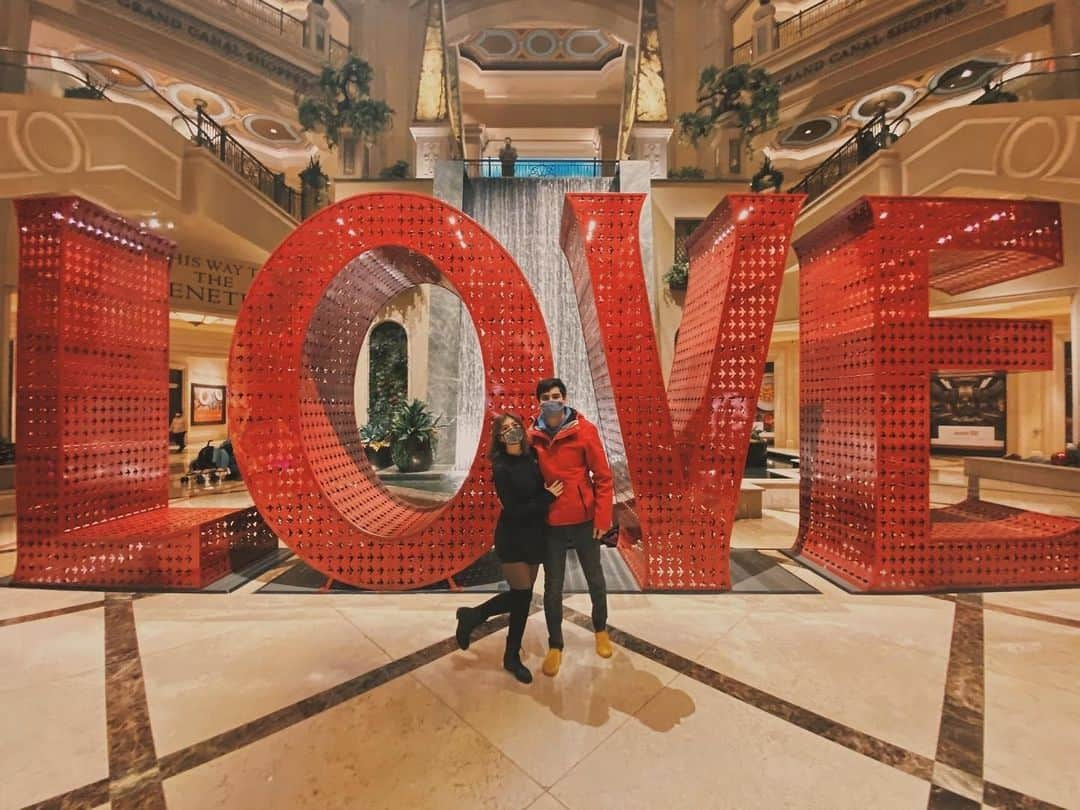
(469, 618)
(519, 614)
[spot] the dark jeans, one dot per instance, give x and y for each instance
(560, 539)
(178, 438)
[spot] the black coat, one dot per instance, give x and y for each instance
(519, 534)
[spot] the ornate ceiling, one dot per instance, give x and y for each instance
(541, 49)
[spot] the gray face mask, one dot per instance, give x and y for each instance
(514, 435)
(552, 407)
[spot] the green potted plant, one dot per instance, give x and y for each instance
(375, 436)
(313, 185)
(399, 170)
(313, 176)
(341, 105)
(994, 94)
(414, 432)
(767, 178)
(686, 173)
(678, 277)
(91, 90)
(749, 94)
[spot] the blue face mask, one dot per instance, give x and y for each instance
(552, 407)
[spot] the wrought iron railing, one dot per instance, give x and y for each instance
(859, 147)
(743, 54)
(537, 167)
(812, 20)
(288, 26)
(339, 52)
(291, 29)
(211, 135)
(202, 130)
(880, 133)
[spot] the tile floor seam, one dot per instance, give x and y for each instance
(132, 756)
(551, 796)
(476, 730)
(618, 727)
(919, 763)
(51, 614)
(1049, 618)
(360, 629)
(536, 608)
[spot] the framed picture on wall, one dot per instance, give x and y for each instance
(207, 404)
(967, 413)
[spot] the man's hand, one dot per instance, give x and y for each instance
(597, 532)
(555, 488)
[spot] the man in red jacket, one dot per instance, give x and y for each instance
(568, 448)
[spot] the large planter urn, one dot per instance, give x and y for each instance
(381, 458)
(414, 455)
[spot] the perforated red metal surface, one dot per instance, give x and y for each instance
(292, 367)
(685, 448)
(867, 348)
(92, 391)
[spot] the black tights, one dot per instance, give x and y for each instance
(516, 602)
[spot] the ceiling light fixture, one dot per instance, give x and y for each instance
(966, 73)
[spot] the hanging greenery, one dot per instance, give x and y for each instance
(341, 103)
(388, 370)
(678, 277)
(749, 93)
(768, 176)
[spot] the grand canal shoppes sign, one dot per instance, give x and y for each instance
(893, 31)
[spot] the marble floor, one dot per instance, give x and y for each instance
(826, 700)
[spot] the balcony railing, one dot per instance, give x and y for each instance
(743, 54)
(532, 167)
(856, 149)
(339, 52)
(261, 12)
(291, 29)
(1050, 78)
(202, 130)
(813, 20)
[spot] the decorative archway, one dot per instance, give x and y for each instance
(291, 373)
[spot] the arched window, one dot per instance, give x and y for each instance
(388, 370)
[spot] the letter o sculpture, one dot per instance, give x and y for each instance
(291, 380)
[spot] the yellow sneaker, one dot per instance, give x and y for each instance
(552, 662)
(603, 645)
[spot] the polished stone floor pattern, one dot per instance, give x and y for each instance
(819, 700)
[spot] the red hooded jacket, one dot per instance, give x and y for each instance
(576, 457)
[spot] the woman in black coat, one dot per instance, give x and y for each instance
(519, 537)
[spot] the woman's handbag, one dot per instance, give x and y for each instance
(610, 538)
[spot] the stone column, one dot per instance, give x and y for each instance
(432, 145)
(382, 31)
(317, 29)
(649, 142)
(475, 138)
(446, 332)
(14, 33)
(1074, 338)
(1065, 38)
(764, 41)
